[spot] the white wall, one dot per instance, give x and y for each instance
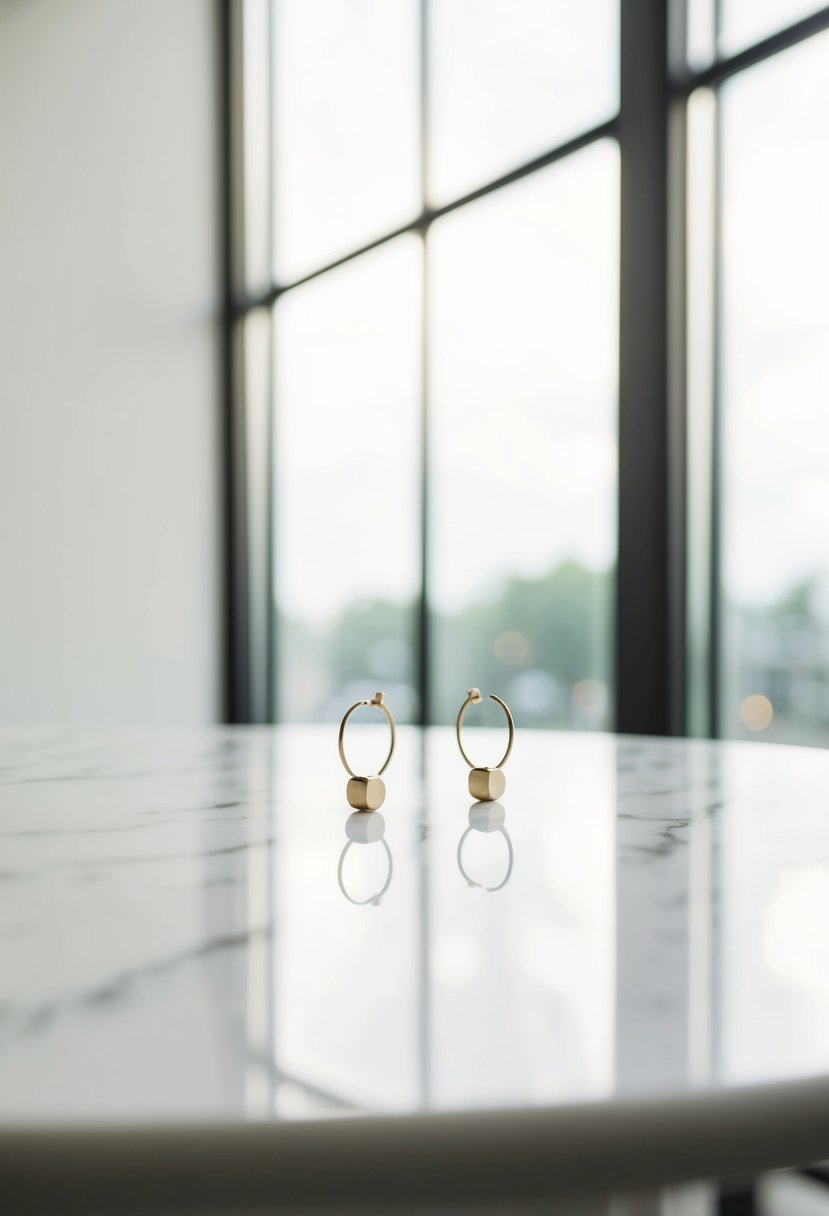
(109, 409)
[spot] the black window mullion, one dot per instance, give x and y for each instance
(647, 676)
(715, 527)
(236, 640)
(685, 81)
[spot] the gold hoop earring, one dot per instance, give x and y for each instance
(485, 784)
(366, 793)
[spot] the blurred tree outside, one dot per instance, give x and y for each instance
(784, 657)
(543, 644)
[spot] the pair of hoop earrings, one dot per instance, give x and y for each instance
(485, 783)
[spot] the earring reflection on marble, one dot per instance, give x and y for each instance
(485, 784)
(365, 829)
(486, 817)
(366, 793)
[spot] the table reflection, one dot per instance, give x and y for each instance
(488, 818)
(365, 828)
(438, 999)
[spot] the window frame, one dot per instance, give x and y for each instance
(651, 614)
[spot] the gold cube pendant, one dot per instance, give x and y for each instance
(487, 784)
(365, 793)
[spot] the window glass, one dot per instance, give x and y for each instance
(346, 457)
(256, 139)
(346, 154)
(701, 228)
(255, 358)
(774, 385)
(509, 81)
(743, 22)
(523, 390)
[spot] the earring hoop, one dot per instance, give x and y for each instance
(485, 784)
(362, 830)
(366, 793)
(471, 881)
(372, 899)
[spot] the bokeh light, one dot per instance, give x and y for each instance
(511, 647)
(756, 712)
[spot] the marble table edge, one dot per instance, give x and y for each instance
(377, 1162)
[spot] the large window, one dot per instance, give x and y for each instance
(444, 245)
(759, 363)
(529, 341)
(774, 387)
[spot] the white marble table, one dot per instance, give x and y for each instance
(190, 1000)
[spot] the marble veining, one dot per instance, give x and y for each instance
(190, 923)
